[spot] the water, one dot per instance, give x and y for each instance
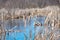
(28, 33)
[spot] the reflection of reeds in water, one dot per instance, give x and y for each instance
(52, 34)
(25, 36)
(38, 37)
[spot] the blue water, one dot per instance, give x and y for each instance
(29, 32)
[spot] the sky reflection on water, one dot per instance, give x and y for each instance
(26, 34)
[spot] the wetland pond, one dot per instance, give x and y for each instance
(27, 33)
